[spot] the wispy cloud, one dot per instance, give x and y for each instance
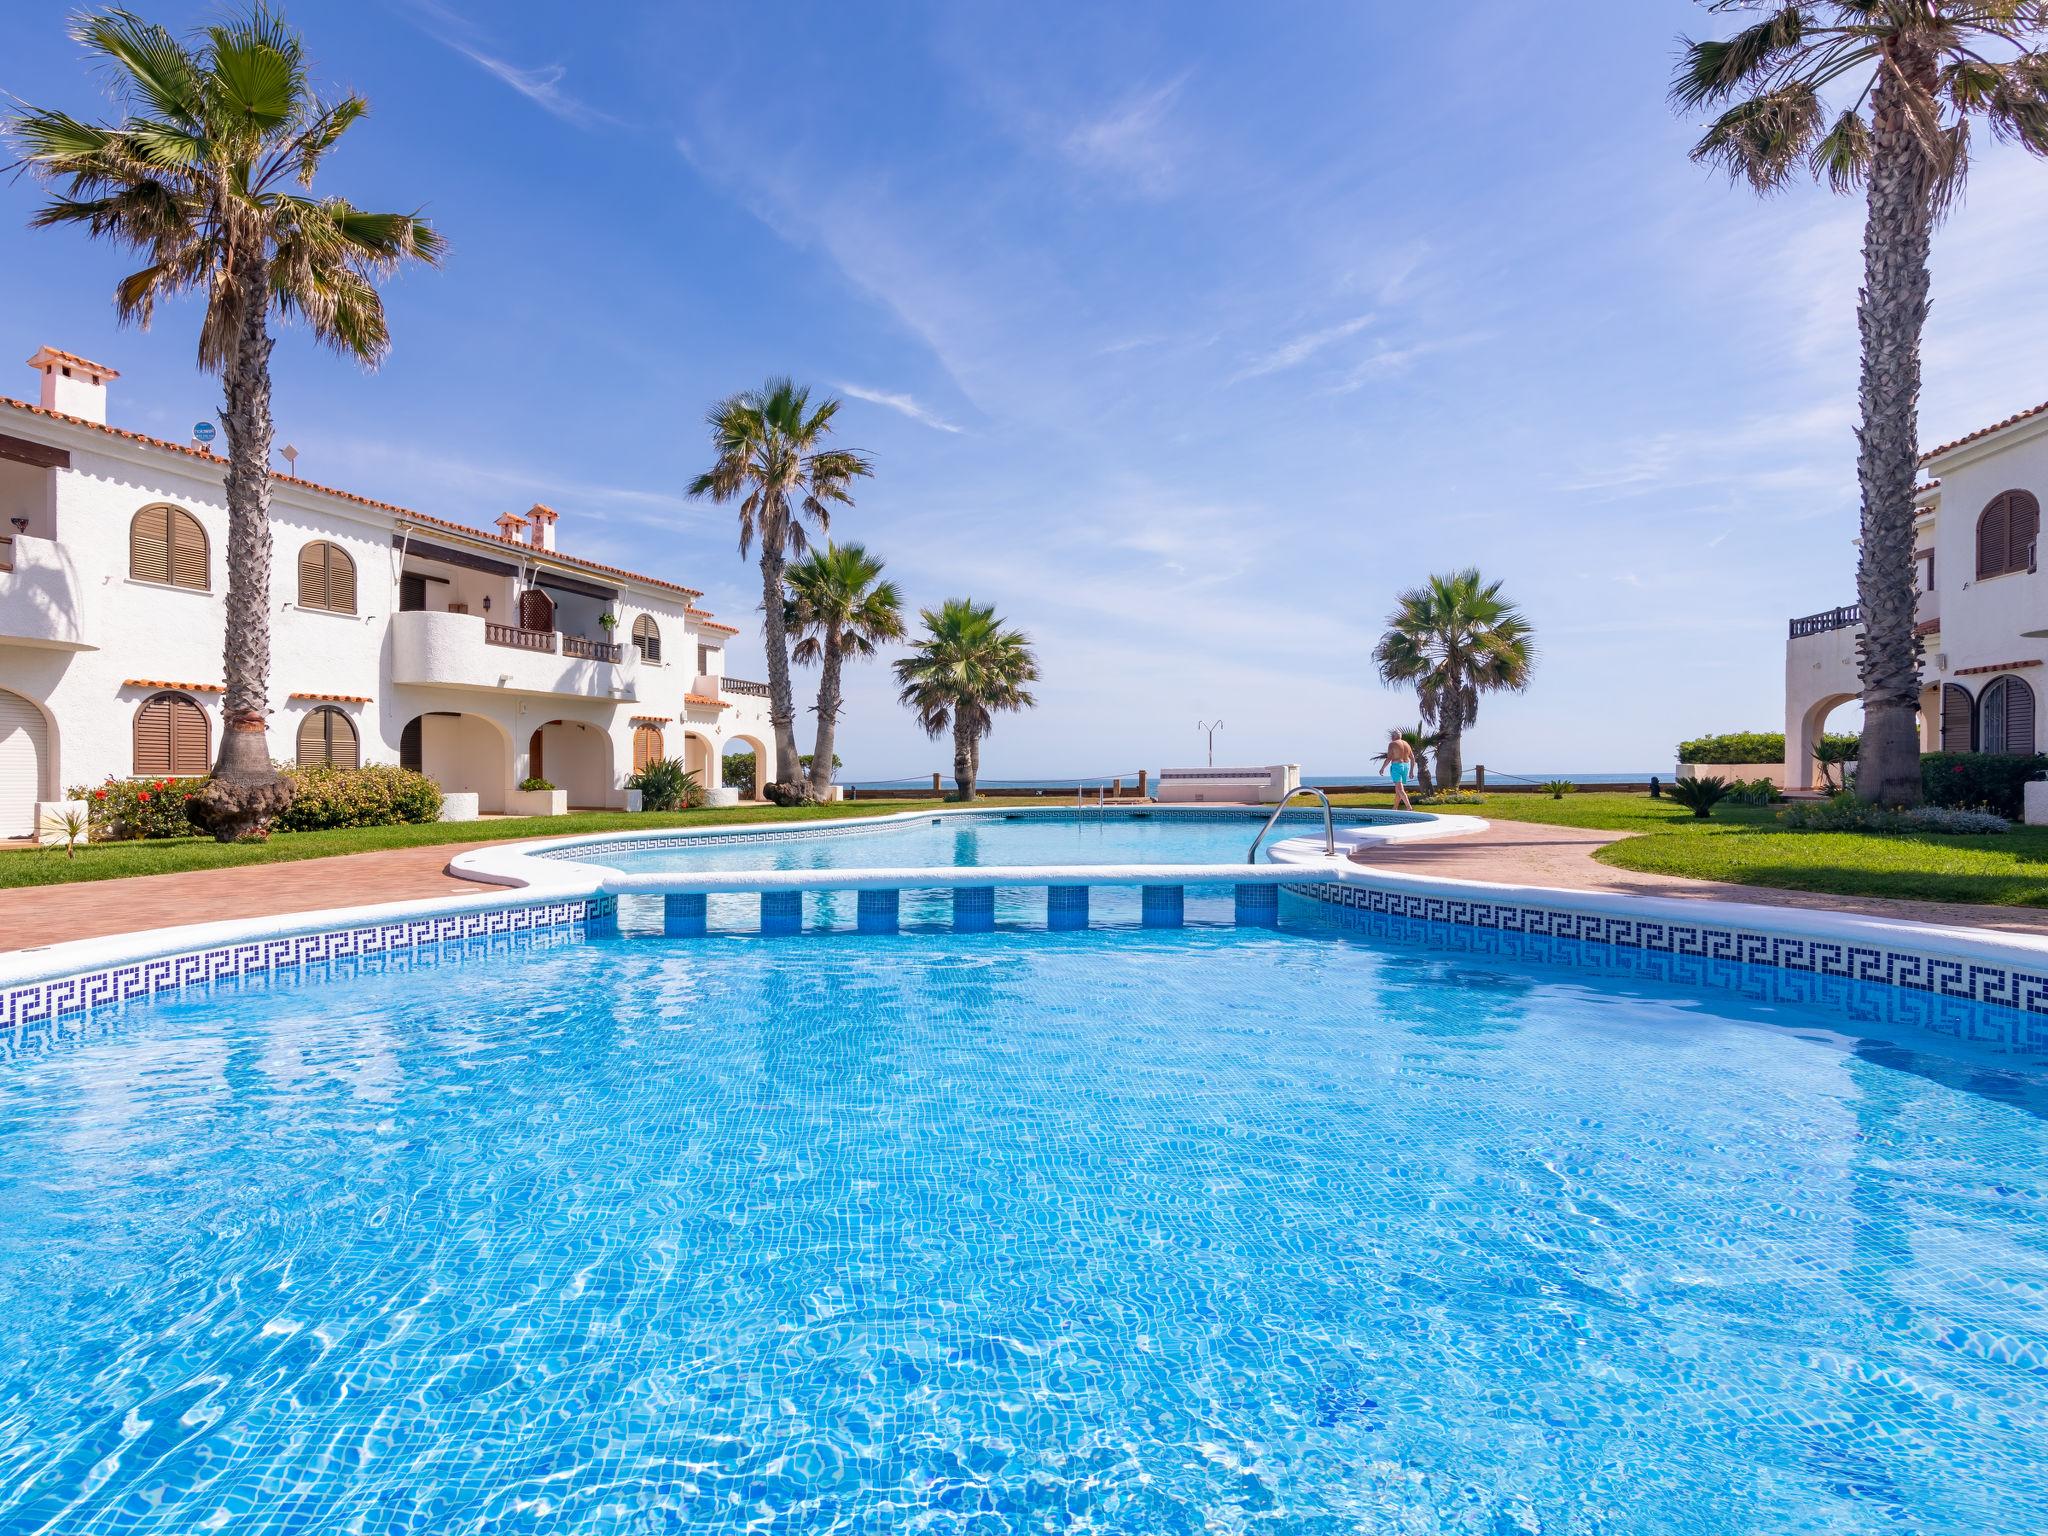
(1301, 349)
(541, 86)
(904, 405)
(1130, 142)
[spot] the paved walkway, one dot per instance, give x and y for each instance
(1518, 853)
(1524, 853)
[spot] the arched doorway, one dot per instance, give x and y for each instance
(464, 754)
(25, 763)
(2005, 716)
(700, 756)
(1801, 771)
(574, 757)
(753, 790)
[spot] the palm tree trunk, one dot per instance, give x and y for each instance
(775, 638)
(246, 792)
(828, 711)
(1890, 315)
(964, 760)
(1450, 759)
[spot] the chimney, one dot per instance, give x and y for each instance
(543, 525)
(73, 385)
(512, 526)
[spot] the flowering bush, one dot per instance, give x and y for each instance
(378, 795)
(1992, 781)
(130, 808)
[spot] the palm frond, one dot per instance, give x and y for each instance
(1841, 156)
(1713, 70)
(153, 66)
(1761, 139)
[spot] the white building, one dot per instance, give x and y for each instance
(1983, 606)
(481, 658)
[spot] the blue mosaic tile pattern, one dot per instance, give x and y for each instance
(33, 1002)
(1995, 985)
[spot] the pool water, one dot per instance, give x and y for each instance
(1196, 1230)
(984, 837)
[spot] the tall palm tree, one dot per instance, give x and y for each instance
(838, 606)
(1455, 638)
(967, 666)
(209, 177)
(1877, 94)
(773, 462)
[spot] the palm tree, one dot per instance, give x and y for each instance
(1455, 637)
(1421, 743)
(771, 460)
(208, 176)
(838, 606)
(1909, 76)
(966, 667)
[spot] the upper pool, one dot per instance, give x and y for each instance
(953, 839)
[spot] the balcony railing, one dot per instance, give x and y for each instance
(1834, 618)
(519, 639)
(590, 650)
(741, 685)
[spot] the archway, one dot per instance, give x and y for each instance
(27, 762)
(700, 756)
(752, 791)
(1801, 772)
(464, 754)
(574, 757)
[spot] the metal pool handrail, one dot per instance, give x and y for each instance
(1329, 824)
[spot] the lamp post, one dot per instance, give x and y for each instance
(1212, 727)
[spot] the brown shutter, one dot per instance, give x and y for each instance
(189, 739)
(153, 737)
(646, 746)
(536, 610)
(149, 545)
(2023, 527)
(647, 636)
(533, 760)
(1991, 534)
(2019, 716)
(312, 582)
(1958, 719)
(341, 580)
(312, 738)
(188, 550)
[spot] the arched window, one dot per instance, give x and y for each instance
(166, 544)
(2005, 716)
(647, 746)
(647, 638)
(2006, 531)
(327, 735)
(172, 738)
(327, 578)
(1958, 719)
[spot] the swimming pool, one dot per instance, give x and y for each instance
(943, 839)
(1308, 1229)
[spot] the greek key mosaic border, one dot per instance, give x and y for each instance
(683, 837)
(38, 1002)
(1972, 981)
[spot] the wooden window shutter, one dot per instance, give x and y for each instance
(647, 637)
(341, 581)
(1958, 719)
(312, 589)
(328, 736)
(189, 739)
(312, 737)
(171, 738)
(153, 737)
(188, 550)
(2023, 527)
(149, 545)
(646, 746)
(2019, 716)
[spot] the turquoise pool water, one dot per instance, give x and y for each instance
(1205, 836)
(1212, 1229)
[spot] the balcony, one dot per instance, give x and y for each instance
(1822, 623)
(42, 599)
(461, 650)
(742, 688)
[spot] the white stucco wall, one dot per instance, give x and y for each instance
(74, 627)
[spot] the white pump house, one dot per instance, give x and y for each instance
(481, 658)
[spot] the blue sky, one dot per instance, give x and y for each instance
(1187, 333)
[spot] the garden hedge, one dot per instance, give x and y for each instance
(1734, 747)
(1994, 781)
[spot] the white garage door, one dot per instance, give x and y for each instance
(24, 748)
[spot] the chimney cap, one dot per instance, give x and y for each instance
(510, 520)
(541, 512)
(56, 356)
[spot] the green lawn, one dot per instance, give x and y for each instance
(1743, 846)
(109, 861)
(1739, 845)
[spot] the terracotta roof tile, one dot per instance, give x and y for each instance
(1927, 627)
(59, 355)
(1997, 666)
(704, 702)
(333, 698)
(157, 682)
(1971, 437)
(362, 501)
(699, 616)
(654, 720)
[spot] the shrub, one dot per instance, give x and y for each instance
(1846, 813)
(1992, 781)
(377, 795)
(1734, 747)
(1559, 788)
(1449, 797)
(531, 782)
(1700, 796)
(666, 785)
(122, 809)
(737, 768)
(1945, 819)
(1753, 792)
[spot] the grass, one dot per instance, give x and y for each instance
(1741, 845)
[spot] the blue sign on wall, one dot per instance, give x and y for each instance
(203, 431)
